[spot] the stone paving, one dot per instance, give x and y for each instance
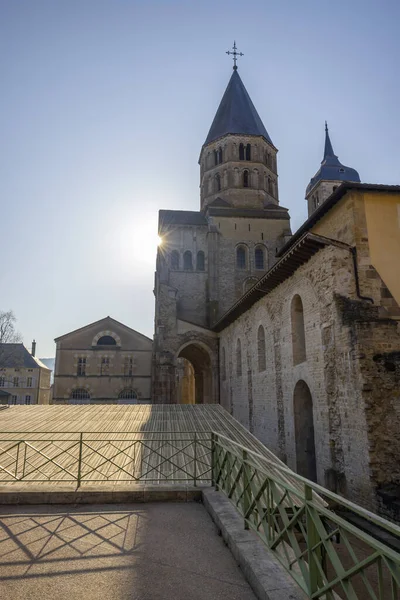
(158, 551)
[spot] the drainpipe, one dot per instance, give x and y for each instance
(353, 251)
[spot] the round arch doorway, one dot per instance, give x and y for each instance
(195, 374)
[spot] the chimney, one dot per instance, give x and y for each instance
(33, 348)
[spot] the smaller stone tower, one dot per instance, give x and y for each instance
(329, 176)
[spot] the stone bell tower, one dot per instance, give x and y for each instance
(211, 257)
(238, 159)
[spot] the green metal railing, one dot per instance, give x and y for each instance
(326, 555)
(151, 457)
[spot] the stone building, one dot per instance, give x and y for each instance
(104, 362)
(297, 336)
(24, 379)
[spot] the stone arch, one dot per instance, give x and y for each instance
(306, 464)
(248, 283)
(239, 358)
(107, 333)
(127, 395)
(187, 261)
(241, 256)
(261, 350)
(298, 330)
(260, 257)
(175, 260)
(80, 395)
(201, 388)
(264, 382)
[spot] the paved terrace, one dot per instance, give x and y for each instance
(116, 552)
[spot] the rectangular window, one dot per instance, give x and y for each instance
(105, 366)
(81, 370)
(27, 399)
(128, 366)
(29, 382)
(16, 381)
(2, 381)
(13, 399)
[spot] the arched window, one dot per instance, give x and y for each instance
(215, 157)
(270, 190)
(248, 152)
(259, 258)
(106, 340)
(241, 152)
(187, 261)
(80, 394)
(298, 331)
(261, 349)
(217, 183)
(238, 358)
(223, 364)
(128, 394)
(245, 178)
(200, 260)
(220, 155)
(241, 257)
(175, 259)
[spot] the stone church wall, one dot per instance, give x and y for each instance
(338, 381)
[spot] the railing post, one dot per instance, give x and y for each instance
(214, 441)
(246, 491)
(312, 540)
(80, 459)
(195, 460)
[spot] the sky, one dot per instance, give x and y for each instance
(104, 107)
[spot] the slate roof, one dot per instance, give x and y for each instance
(180, 217)
(17, 356)
(236, 113)
(331, 168)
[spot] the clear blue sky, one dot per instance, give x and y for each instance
(105, 104)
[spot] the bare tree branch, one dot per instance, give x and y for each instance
(8, 334)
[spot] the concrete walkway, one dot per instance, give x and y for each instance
(159, 551)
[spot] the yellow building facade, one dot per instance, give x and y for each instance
(24, 379)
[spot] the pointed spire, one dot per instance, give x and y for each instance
(328, 152)
(236, 113)
(331, 168)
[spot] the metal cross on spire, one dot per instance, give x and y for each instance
(235, 55)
